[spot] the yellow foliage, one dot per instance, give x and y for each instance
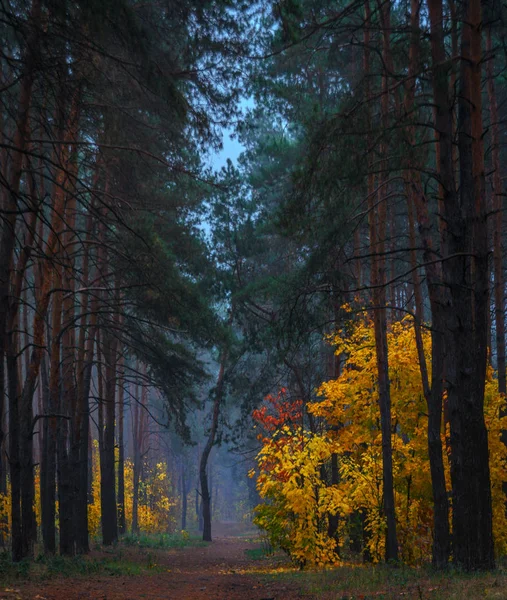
(156, 506)
(289, 465)
(156, 509)
(493, 403)
(291, 461)
(94, 510)
(5, 514)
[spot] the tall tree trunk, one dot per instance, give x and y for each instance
(68, 447)
(465, 273)
(138, 442)
(59, 429)
(469, 285)
(24, 429)
(3, 466)
(184, 497)
(25, 415)
(121, 451)
(81, 459)
(48, 468)
(10, 200)
(108, 348)
(497, 222)
(14, 454)
(497, 235)
(377, 221)
(84, 455)
(107, 471)
(433, 394)
(17, 430)
(203, 475)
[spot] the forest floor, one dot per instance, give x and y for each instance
(233, 567)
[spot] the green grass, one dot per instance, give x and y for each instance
(49, 567)
(255, 553)
(133, 555)
(400, 583)
(163, 541)
(114, 563)
(264, 550)
(10, 570)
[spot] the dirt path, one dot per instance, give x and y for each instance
(220, 571)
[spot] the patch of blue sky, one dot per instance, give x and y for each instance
(231, 150)
(231, 146)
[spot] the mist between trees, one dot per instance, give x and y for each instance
(329, 312)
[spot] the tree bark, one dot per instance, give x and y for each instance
(138, 441)
(497, 235)
(433, 393)
(377, 223)
(184, 498)
(121, 452)
(465, 274)
(69, 429)
(48, 469)
(469, 285)
(14, 453)
(107, 471)
(81, 458)
(17, 430)
(3, 466)
(203, 475)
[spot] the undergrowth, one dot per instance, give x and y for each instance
(163, 540)
(48, 567)
(113, 561)
(383, 582)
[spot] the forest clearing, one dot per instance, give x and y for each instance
(252, 299)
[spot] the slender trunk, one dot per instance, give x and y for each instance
(84, 454)
(433, 393)
(497, 236)
(107, 375)
(107, 471)
(48, 469)
(68, 453)
(334, 372)
(64, 444)
(333, 518)
(377, 220)
(184, 499)
(138, 438)
(10, 200)
(14, 454)
(81, 458)
(47, 271)
(59, 426)
(203, 475)
(28, 524)
(497, 223)
(19, 444)
(3, 470)
(121, 453)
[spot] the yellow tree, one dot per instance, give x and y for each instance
(350, 404)
(292, 460)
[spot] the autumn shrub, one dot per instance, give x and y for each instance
(292, 463)
(294, 516)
